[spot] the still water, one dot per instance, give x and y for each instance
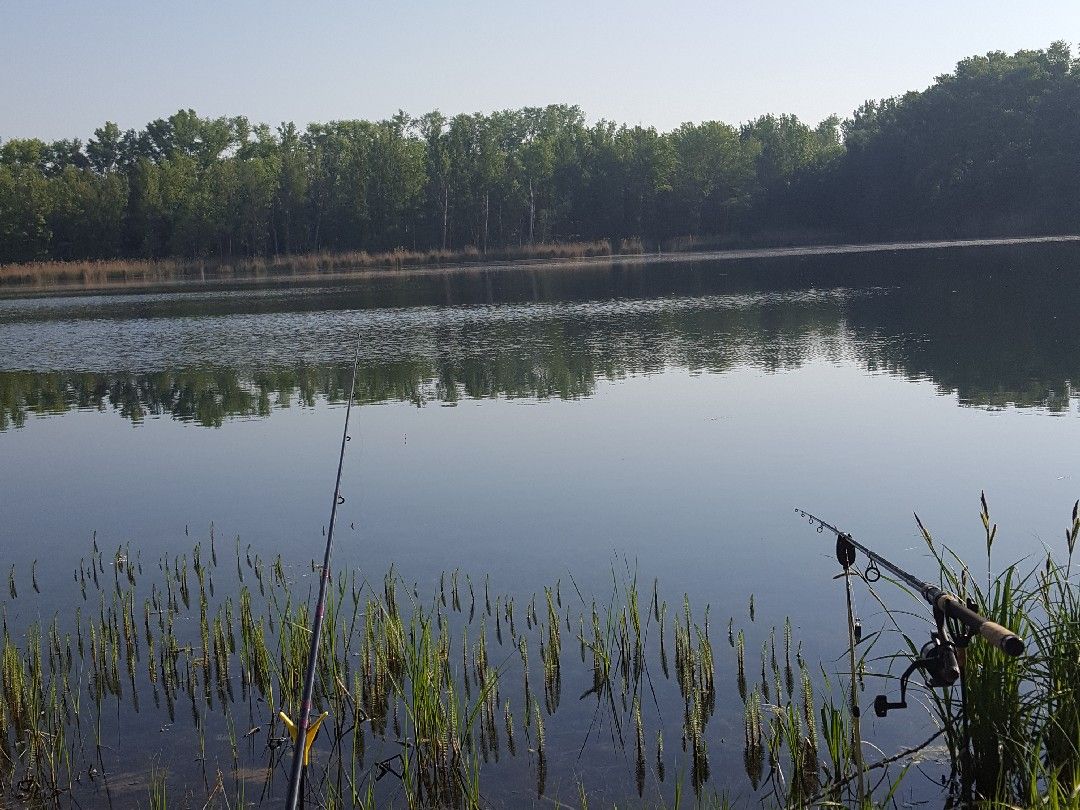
(564, 423)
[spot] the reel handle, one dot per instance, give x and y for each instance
(882, 706)
(1001, 637)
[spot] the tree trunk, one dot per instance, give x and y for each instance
(445, 214)
(532, 210)
(487, 211)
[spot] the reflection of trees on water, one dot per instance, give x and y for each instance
(555, 357)
(993, 326)
(996, 332)
(206, 397)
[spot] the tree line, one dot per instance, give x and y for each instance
(987, 149)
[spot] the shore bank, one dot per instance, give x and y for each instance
(66, 278)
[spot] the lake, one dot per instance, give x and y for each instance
(562, 424)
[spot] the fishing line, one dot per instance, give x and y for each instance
(303, 723)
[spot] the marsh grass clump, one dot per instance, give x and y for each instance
(1012, 725)
(783, 740)
(414, 686)
(550, 652)
(694, 670)
(436, 759)
(753, 747)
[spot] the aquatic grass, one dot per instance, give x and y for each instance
(782, 739)
(437, 766)
(694, 673)
(414, 688)
(158, 790)
(1012, 722)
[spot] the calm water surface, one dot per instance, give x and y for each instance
(538, 425)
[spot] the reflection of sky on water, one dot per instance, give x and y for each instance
(692, 478)
(694, 427)
(689, 474)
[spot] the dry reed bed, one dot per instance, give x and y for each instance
(127, 271)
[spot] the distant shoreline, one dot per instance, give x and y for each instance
(141, 277)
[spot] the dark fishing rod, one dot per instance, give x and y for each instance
(938, 658)
(303, 723)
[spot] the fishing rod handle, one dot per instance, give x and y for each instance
(1001, 637)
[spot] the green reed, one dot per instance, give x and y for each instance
(414, 689)
(1012, 725)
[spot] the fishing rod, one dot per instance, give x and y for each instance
(938, 657)
(303, 732)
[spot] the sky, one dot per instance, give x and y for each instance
(67, 67)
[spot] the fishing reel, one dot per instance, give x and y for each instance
(940, 660)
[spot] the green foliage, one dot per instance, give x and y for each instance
(1013, 728)
(988, 148)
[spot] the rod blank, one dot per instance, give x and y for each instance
(948, 603)
(304, 719)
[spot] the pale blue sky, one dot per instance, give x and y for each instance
(66, 67)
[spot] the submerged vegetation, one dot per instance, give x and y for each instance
(453, 697)
(987, 149)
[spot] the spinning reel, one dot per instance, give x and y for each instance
(941, 660)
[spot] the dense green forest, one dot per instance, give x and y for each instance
(988, 149)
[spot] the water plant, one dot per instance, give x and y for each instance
(1013, 724)
(415, 687)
